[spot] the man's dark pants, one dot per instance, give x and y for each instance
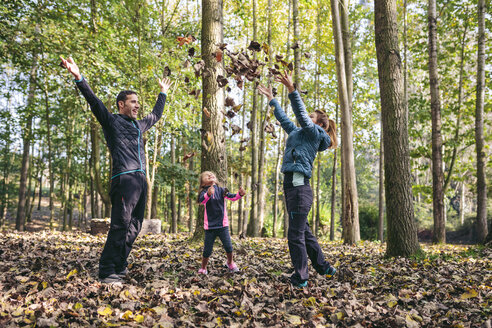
(128, 196)
(302, 243)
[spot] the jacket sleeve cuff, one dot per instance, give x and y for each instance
(81, 79)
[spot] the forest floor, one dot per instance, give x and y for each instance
(50, 279)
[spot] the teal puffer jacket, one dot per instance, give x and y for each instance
(303, 143)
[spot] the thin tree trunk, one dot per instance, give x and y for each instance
(253, 225)
(333, 187)
(96, 149)
(439, 235)
(350, 220)
(26, 137)
(213, 156)
(482, 228)
(276, 183)
(29, 186)
(381, 187)
(190, 199)
(297, 50)
(401, 226)
(174, 220)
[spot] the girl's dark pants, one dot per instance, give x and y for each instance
(302, 243)
(211, 234)
(128, 194)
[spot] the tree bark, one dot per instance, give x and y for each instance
(253, 226)
(174, 219)
(333, 187)
(350, 220)
(401, 225)
(96, 150)
(381, 187)
(213, 157)
(482, 228)
(439, 235)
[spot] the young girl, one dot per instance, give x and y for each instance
(216, 223)
(317, 133)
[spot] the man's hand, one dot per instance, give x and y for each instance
(265, 91)
(286, 80)
(165, 84)
(70, 65)
(211, 190)
(241, 192)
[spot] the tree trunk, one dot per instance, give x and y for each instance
(381, 187)
(401, 225)
(350, 220)
(439, 235)
(333, 187)
(253, 225)
(190, 199)
(482, 228)
(96, 149)
(297, 50)
(174, 220)
(26, 137)
(213, 157)
(276, 184)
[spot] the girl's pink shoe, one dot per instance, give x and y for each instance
(202, 271)
(232, 267)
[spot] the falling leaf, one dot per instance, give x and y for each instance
(198, 67)
(187, 156)
(229, 102)
(235, 129)
(307, 55)
(187, 79)
(236, 108)
(230, 114)
(184, 40)
(191, 52)
(290, 66)
(218, 55)
(206, 112)
(221, 81)
(222, 46)
(167, 72)
(265, 48)
(254, 46)
(295, 45)
(186, 64)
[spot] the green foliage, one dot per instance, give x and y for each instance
(368, 220)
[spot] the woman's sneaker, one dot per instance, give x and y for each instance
(330, 272)
(301, 284)
(202, 271)
(232, 267)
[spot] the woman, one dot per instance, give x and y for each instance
(316, 133)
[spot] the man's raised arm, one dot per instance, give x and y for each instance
(148, 121)
(97, 107)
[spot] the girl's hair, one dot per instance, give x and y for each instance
(200, 181)
(329, 126)
(200, 178)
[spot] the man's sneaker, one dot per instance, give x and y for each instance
(330, 272)
(202, 271)
(111, 279)
(301, 285)
(123, 273)
(232, 267)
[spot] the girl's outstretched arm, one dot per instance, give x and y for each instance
(279, 113)
(234, 197)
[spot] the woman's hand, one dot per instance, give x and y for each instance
(265, 91)
(286, 79)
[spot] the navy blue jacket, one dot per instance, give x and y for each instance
(302, 143)
(123, 135)
(215, 209)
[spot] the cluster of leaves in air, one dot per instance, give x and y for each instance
(48, 279)
(241, 66)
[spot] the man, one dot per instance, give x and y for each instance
(123, 134)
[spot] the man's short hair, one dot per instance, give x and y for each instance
(122, 96)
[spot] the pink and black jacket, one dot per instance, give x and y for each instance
(215, 209)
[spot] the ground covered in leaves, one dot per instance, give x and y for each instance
(49, 279)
